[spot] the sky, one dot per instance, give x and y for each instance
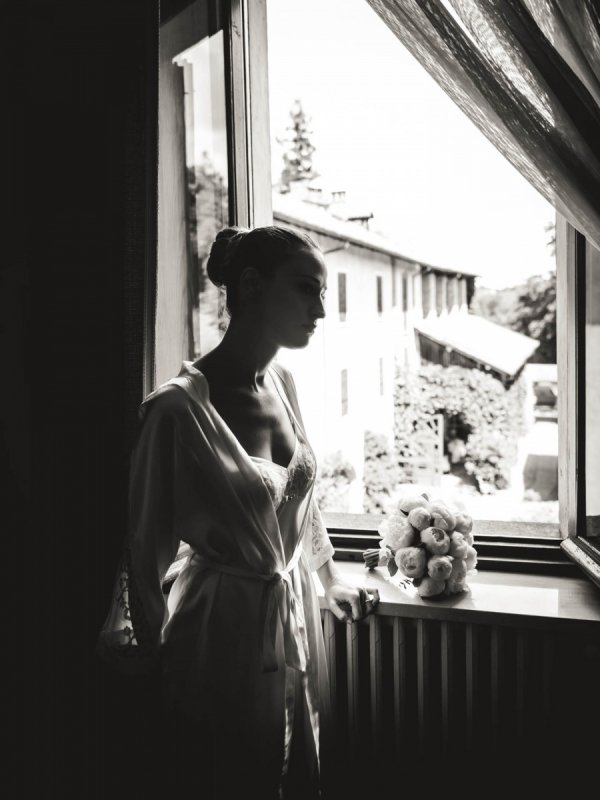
(388, 134)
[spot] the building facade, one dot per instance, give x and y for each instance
(376, 300)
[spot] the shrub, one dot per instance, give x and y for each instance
(381, 473)
(493, 413)
(334, 477)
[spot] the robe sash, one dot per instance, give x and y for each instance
(282, 602)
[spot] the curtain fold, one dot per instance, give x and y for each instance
(527, 73)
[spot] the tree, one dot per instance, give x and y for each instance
(529, 308)
(297, 158)
(535, 316)
(550, 229)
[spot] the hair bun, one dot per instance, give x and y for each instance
(221, 252)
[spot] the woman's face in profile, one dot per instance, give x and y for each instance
(292, 301)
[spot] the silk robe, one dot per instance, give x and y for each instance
(239, 639)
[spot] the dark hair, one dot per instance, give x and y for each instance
(265, 248)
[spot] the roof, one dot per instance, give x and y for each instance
(483, 341)
(293, 210)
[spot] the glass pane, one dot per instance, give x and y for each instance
(592, 392)
(193, 181)
(379, 166)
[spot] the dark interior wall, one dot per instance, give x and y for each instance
(82, 131)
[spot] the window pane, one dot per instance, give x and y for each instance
(193, 198)
(342, 295)
(592, 392)
(468, 408)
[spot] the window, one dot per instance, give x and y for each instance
(211, 167)
(193, 182)
(342, 295)
(420, 283)
(344, 392)
(248, 204)
(591, 354)
(578, 296)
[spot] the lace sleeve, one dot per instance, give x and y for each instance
(317, 545)
(125, 641)
(130, 637)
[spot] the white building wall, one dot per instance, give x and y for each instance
(355, 344)
(453, 298)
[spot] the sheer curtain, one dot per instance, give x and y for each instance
(527, 73)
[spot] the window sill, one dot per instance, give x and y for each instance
(501, 598)
(505, 546)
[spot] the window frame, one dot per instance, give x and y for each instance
(379, 294)
(248, 113)
(570, 335)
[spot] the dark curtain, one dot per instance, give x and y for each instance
(82, 177)
(527, 73)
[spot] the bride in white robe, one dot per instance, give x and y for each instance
(239, 639)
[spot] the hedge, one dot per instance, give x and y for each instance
(492, 415)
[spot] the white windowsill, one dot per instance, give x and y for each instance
(503, 598)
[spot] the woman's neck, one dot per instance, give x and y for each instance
(243, 355)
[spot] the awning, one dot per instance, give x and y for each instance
(479, 339)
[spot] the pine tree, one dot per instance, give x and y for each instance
(297, 159)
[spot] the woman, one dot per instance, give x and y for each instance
(223, 463)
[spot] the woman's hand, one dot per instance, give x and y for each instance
(350, 603)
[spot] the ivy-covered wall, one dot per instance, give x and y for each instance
(490, 417)
(381, 473)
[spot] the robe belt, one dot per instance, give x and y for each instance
(281, 601)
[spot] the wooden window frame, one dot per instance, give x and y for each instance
(570, 336)
(248, 110)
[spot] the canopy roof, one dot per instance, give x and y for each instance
(483, 341)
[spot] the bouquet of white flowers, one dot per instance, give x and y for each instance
(427, 542)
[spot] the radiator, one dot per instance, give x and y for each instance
(405, 687)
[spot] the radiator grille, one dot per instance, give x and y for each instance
(404, 688)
